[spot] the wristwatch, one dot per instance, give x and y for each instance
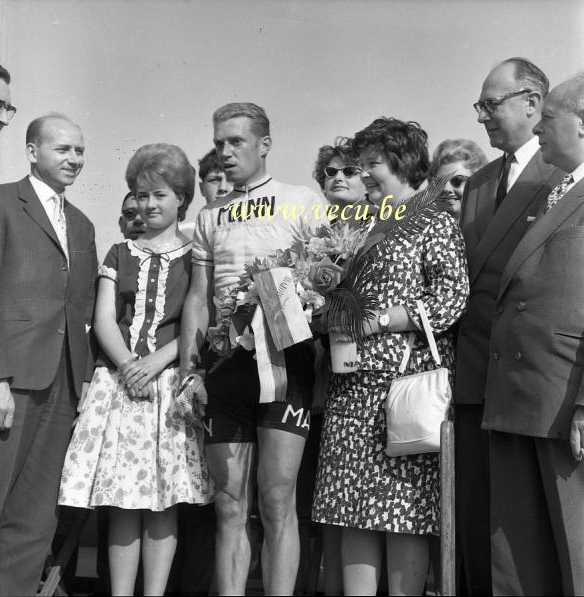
(384, 320)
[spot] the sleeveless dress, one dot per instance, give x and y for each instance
(357, 484)
(137, 453)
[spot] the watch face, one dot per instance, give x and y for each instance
(384, 320)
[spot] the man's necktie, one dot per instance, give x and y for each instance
(558, 192)
(60, 223)
(504, 180)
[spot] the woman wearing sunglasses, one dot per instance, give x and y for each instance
(338, 173)
(459, 159)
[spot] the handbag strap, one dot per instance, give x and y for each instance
(429, 335)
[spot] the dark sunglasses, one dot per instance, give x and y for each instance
(458, 181)
(347, 171)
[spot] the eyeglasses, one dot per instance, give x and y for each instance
(10, 110)
(490, 104)
(458, 180)
(347, 171)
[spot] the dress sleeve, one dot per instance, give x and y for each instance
(109, 268)
(202, 238)
(445, 269)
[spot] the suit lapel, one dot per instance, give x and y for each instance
(485, 204)
(74, 240)
(529, 189)
(541, 230)
(33, 207)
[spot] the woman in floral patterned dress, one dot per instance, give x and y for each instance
(132, 449)
(358, 486)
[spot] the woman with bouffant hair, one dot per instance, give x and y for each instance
(136, 448)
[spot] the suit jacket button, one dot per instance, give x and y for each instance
(518, 356)
(60, 331)
(500, 308)
(496, 355)
(520, 306)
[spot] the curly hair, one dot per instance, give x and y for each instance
(404, 144)
(343, 149)
(169, 163)
(458, 150)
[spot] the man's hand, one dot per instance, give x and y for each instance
(577, 434)
(6, 405)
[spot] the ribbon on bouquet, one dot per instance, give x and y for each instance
(270, 362)
(278, 322)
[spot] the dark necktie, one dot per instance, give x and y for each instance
(502, 188)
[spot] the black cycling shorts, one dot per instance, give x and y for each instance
(234, 412)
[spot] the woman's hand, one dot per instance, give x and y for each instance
(138, 375)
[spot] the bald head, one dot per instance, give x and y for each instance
(561, 128)
(36, 128)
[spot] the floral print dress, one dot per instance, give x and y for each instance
(135, 453)
(357, 484)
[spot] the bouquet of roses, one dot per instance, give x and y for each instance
(301, 276)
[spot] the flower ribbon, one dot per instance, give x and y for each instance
(270, 361)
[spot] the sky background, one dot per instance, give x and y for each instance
(132, 72)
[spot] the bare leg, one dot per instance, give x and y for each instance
(407, 563)
(124, 549)
(361, 556)
(158, 547)
(332, 537)
(231, 467)
(280, 454)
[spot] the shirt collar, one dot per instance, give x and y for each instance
(578, 173)
(252, 187)
(524, 154)
(42, 189)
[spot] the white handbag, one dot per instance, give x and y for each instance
(417, 404)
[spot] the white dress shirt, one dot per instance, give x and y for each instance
(522, 157)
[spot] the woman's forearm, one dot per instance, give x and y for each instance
(399, 321)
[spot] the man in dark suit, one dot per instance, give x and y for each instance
(48, 268)
(534, 404)
(497, 206)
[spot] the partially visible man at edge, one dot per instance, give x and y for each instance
(48, 267)
(499, 202)
(534, 400)
(238, 426)
(7, 110)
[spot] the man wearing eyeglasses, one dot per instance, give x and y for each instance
(499, 203)
(7, 110)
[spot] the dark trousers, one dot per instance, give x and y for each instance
(31, 458)
(537, 499)
(473, 498)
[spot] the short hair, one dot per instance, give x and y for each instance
(404, 144)
(458, 150)
(342, 149)
(4, 75)
(169, 163)
(260, 125)
(129, 195)
(34, 131)
(570, 94)
(529, 76)
(209, 163)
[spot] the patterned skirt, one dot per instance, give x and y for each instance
(357, 484)
(131, 453)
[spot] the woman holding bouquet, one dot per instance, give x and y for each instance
(135, 449)
(359, 487)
